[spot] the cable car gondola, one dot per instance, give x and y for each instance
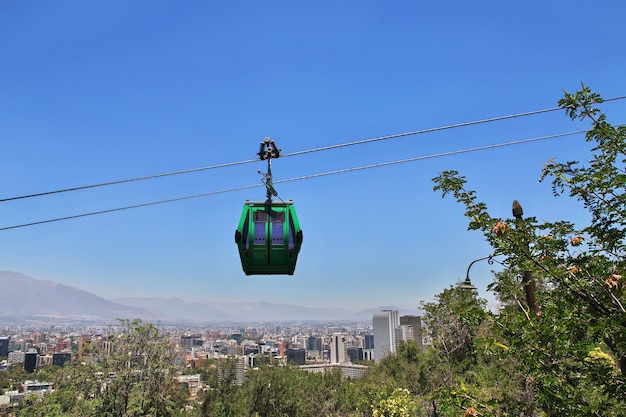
(268, 236)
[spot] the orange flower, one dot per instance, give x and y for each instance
(471, 411)
(576, 240)
(500, 228)
(613, 280)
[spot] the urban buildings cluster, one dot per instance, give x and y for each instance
(314, 347)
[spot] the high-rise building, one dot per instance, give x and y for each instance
(368, 341)
(237, 337)
(416, 323)
(354, 353)
(297, 356)
(314, 343)
(38, 338)
(231, 370)
(83, 342)
(4, 346)
(30, 361)
(190, 341)
(314, 346)
(17, 356)
(368, 347)
(61, 358)
(386, 325)
(337, 348)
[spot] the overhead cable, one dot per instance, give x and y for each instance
(421, 131)
(149, 177)
(304, 177)
(438, 155)
(323, 148)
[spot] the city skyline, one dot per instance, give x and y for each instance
(106, 92)
(322, 342)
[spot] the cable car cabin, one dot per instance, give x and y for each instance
(268, 238)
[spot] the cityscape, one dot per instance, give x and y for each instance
(312, 346)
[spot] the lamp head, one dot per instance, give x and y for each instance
(466, 285)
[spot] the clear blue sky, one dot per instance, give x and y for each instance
(108, 90)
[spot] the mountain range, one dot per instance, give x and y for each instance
(28, 298)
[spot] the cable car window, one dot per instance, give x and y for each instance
(260, 218)
(278, 220)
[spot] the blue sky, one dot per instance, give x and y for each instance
(101, 91)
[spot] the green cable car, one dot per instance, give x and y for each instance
(268, 236)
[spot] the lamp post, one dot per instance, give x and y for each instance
(467, 284)
(527, 278)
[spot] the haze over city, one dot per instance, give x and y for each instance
(103, 92)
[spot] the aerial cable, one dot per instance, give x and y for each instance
(304, 177)
(324, 148)
(148, 177)
(154, 203)
(421, 131)
(438, 155)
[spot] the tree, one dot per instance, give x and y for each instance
(221, 397)
(452, 322)
(466, 368)
(571, 346)
(134, 376)
(139, 378)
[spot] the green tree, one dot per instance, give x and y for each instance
(221, 397)
(465, 368)
(139, 375)
(134, 376)
(567, 336)
(452, 322)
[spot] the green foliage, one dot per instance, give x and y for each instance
(142, 367)
(276, 390)
(569, 343)
(452, 321)
(288, 391)
(410, 350)
(12, 379)
(135, 379)
(397, 404)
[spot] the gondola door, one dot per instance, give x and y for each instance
(277, 245)
(259, 255)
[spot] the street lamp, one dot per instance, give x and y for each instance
(467, 284)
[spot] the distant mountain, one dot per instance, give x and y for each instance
(26, 297)
(239, 312)
(23, 296)
(281, 312)
(176, 309)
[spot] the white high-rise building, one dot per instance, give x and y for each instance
(337, 348)
(407, 332)
(416, 323)
(386, 326)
